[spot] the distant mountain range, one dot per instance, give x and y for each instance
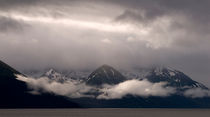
(108, 75)
(16, 94)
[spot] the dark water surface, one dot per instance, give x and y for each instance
(110, 112)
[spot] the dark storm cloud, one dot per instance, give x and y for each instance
(155, 8)
(196, 12)
(10, 25)
(10, 4)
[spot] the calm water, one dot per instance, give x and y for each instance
(105, 112)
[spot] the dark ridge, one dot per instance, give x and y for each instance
(15, 94)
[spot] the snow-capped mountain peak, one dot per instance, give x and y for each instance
(54, 75)
(173, 77)
(165, 71)
(105, 75)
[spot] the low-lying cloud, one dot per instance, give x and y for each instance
(68, 88)
(197, 93)
(137, 88)
(75, 89)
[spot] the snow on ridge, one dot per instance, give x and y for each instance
(112, 72)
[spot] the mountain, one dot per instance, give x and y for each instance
(15, 93)
(80, 75)
(174, 78)
(59, 75)
(55, 76)
(105, 75)
(63, 76)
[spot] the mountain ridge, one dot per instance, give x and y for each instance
(17, 96)
(105, 75)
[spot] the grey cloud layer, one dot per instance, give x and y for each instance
(123, 33)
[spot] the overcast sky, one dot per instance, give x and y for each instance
(82, 34)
